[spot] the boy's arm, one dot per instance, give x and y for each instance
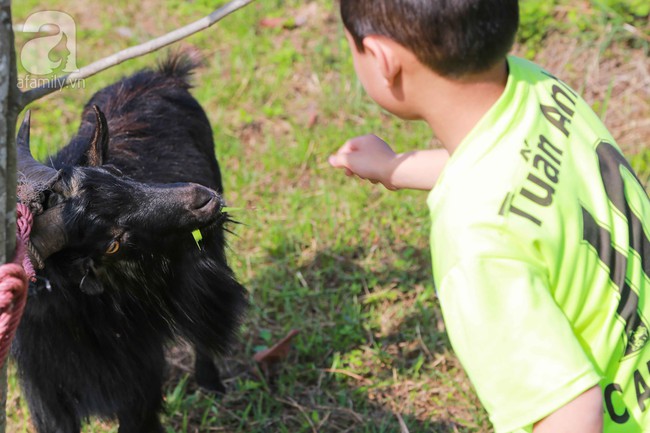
(583, 414)
(369, 157)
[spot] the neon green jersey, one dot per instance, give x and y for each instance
(541, 259)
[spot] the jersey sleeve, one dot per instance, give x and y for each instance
(513, 340)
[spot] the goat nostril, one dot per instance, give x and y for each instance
(204, 198)
(203, 202)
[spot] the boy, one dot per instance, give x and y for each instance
(540, 229)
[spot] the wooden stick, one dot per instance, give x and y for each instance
(54, 84)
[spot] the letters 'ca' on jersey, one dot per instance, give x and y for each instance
(541, 258)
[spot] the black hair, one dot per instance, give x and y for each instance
(452, 37)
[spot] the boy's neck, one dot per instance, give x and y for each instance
(452, 107)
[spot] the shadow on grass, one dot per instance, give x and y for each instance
(371, 353)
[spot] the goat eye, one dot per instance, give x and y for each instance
(113, 247)
(53, 199)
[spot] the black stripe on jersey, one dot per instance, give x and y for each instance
(610, 161)
(640, 243)
(628, 305)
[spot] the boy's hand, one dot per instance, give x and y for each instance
(368, 157)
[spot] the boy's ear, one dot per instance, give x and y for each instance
(385, 55)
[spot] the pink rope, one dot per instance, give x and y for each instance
(13, 282)
(13, 294)
(24, 222)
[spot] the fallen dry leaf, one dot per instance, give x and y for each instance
(272, 23)
(278, 352)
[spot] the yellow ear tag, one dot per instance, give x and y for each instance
(198, 237)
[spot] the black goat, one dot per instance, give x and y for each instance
(118, 208)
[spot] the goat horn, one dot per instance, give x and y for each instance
(48, 234)
(99, 143)
(35, 173)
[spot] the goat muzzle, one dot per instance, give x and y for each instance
(48, 235)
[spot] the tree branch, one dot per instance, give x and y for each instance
(55, 84)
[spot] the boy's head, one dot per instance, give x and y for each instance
(452, 37)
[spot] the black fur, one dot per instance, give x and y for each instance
(94, 344)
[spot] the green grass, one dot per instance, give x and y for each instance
(593, 21)
(344, 262)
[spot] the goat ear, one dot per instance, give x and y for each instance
(98, 148)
